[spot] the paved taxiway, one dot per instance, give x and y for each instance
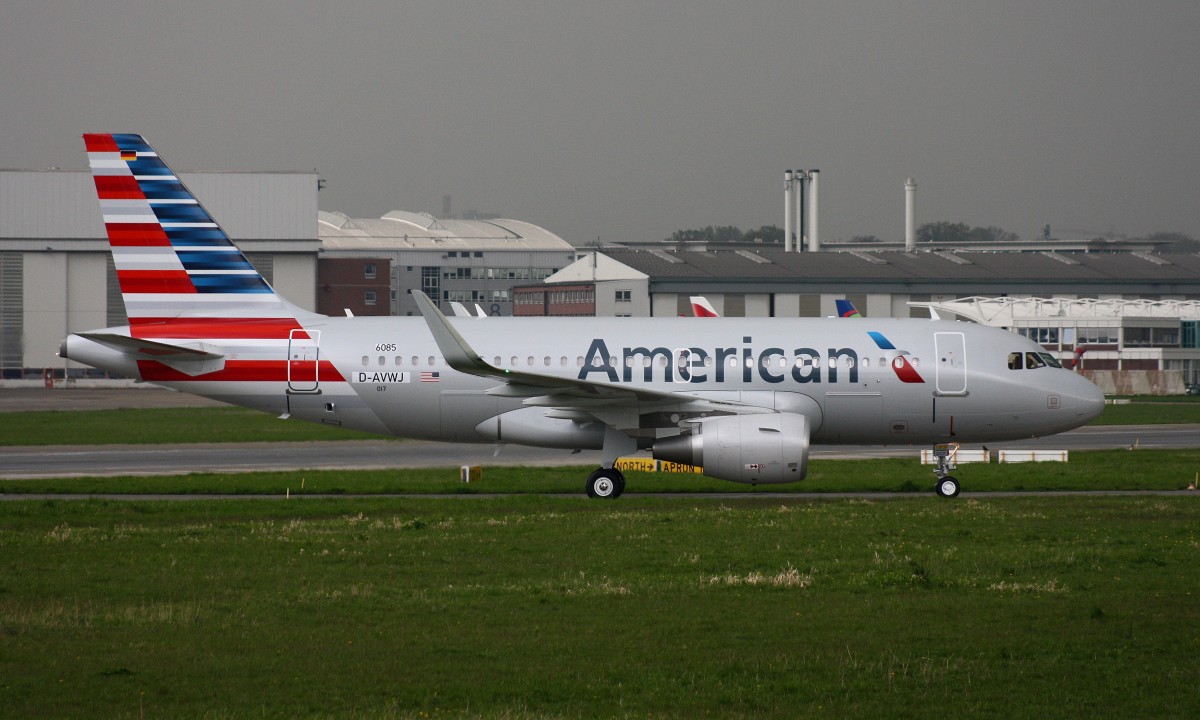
(115, 460)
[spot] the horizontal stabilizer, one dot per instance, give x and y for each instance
(190, 358)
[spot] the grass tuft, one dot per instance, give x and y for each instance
(788, 578)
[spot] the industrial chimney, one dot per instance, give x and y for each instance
(910, 215)
(800, 189)
(787, 211)
(814, 235)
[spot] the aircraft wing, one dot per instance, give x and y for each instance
(568, 398)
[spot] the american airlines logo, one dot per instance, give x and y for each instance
(900, 362)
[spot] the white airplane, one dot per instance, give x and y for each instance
(740, 397)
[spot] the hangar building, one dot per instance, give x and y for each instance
(451, 260)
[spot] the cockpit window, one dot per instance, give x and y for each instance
(1031, 360)
(1050, 360)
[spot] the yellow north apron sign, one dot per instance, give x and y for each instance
(651, 465)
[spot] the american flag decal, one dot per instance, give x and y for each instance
(427, 376)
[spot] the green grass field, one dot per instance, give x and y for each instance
(1147, 410)
(648, 607)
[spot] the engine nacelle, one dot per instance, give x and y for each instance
(530, 426)
(767, 448)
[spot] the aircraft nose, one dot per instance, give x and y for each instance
(1088, 398)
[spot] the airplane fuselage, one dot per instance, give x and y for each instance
(387, 375)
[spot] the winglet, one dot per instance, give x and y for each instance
(457, 352)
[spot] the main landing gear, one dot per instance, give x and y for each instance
(606, 483)
(947, 485)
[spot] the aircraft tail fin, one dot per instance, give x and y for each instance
(846, 309)
(701, 307)
(172, 258)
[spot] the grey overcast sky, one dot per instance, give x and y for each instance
(630, 120)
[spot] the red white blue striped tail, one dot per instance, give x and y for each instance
(173, 260)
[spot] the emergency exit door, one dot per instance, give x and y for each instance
(303, 360)
(951, 368)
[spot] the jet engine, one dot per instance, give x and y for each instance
(767, 448)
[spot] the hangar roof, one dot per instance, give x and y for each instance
(923, 266)
(1006, 311)
(407, 230)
